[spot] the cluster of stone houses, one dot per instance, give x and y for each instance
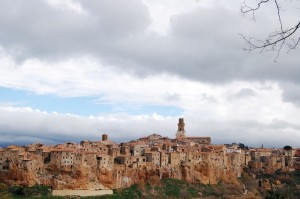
(151, 151)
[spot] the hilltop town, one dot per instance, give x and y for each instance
(105, 164)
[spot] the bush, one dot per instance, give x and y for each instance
(130, 192)
(171, 188)
(35, 191)
(296, 176)
(3, 191)
(193, 192)
(3, 186)
(15, 190)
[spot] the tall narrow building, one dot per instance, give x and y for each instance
(180, 132)
(180, 135)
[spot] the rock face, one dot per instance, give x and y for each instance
(86, 177)
(81, 177)
(94, 165)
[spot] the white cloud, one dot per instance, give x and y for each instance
(87, 77)
(184, 54)
(209, 110)
(26, 125)
(67, 4)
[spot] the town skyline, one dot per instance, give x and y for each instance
(98, 167)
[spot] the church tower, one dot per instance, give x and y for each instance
(104, 137)
(180, 132)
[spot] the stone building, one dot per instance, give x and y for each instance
(98, 147)
(104, 161)
(180, 135)
(153, 157)
(78, 158)
(62, 156)
(163, 159)
(2, 159)
(137, 149)
(174, 158)
(181, 131)
(129, 161)
(90, 159)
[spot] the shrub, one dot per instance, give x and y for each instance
(19, 191)
(30, 191)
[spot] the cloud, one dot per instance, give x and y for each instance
(250, 132)
(291, 92)
(25, 125)
(207, 97)
(117, 34)
(46, 32)
(116, 52)
(35, 125)
(172, 96)
(244, 92)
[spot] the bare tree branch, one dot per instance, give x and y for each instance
(276, 41)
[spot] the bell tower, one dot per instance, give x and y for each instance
(180, 132)
(104, 137)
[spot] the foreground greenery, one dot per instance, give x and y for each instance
(289, 188)
(24, 192)
(170, 188)
(158, 189)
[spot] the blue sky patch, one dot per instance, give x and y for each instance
(84, 106)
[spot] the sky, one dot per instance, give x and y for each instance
(71, 70)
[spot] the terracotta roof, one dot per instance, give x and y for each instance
(263, 150)
(108, 142)
(195, 137)
(207, 148)
(15, 149)
(144, 137)
(218, 146)
(31, 150)
(155, 134)
(202, 152)
(102, 155)
(12, 147)
(62, 149)
(90, 152)
(167, 142)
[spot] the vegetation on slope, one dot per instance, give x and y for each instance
(289, 187)
(173, 188)
(280, 185)
(24, 192)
